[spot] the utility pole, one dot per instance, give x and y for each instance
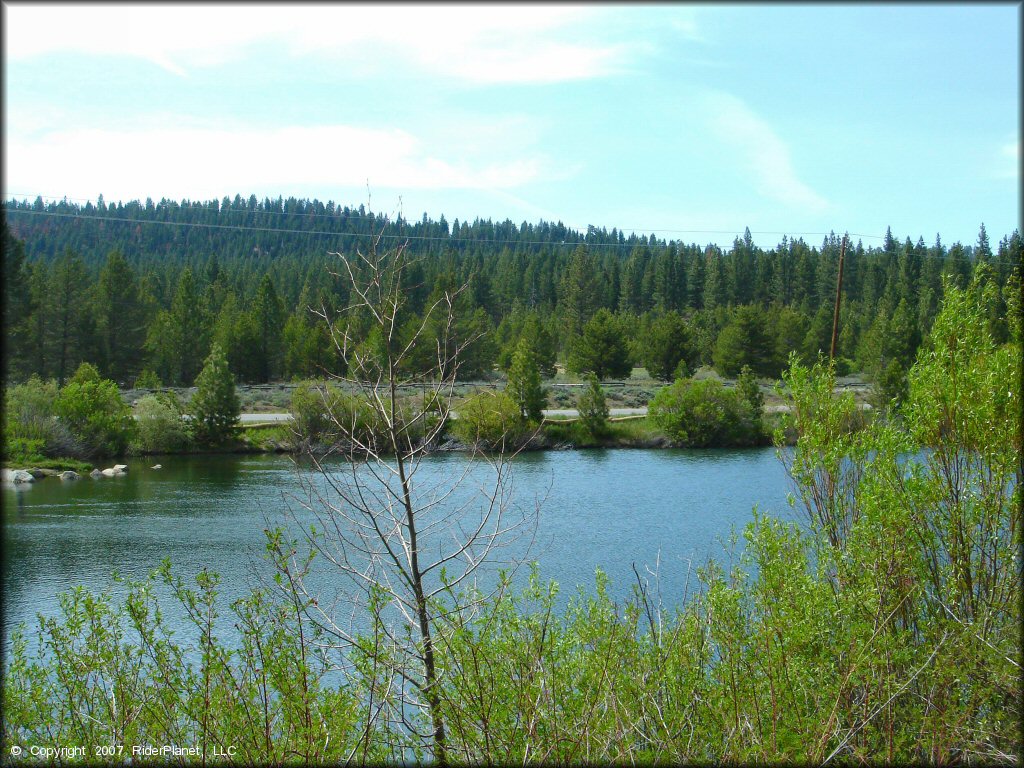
(839, 288)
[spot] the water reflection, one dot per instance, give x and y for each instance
(599, 508)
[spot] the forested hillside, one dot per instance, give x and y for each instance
(150, 287)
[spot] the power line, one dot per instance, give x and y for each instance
(354, 214)
(320, 233)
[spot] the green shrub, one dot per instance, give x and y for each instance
(147, 379)
(160, 425)
(22, 450)
(703, 414)
(309, 407)
(489, 420)
(92, 410)
(29, 416)
(593, 409)
(324, 415)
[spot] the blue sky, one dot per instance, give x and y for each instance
(689, 121)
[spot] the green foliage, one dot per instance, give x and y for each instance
(752, 397)
(489, 420)
(702, 414)
(147, 379)
(120, 318)
(92, 410)
(215, 406)
(667, 345)
(29, 417)
(744, 341)
(70, 297)
(593, 409)
(889, 388)
(602, 348)
(524, 385)
(310, 411)
(123, 678)
(885, 630)
(160, 425)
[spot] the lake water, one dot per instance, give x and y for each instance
(605, 509)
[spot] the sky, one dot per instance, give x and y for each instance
(690, 122)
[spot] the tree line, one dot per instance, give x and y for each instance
(885, 628)
(147, 289)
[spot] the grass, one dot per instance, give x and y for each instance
(628, 433)
(266, 437)
(41, 462)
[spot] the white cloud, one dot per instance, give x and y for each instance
(197, 161)
(1007, 165)
(479, 44)
(761, 152)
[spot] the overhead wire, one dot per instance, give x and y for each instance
(354, 214)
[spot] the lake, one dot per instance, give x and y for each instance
(608, 509)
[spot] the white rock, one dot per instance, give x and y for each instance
(122, 468)
(17, 476)
(157, 466)
(110, 472)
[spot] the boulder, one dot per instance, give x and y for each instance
(111, 472)
(95, 473)
(70, 475)
(121, 468)
(157, 466)
(17, 476)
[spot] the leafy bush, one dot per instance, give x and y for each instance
(324, 415)
(702, 414)
(22, 450)
(92, 410)
(489, 420)
(160, 425)
(30, 424)
(309, 410)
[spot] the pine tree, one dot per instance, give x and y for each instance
(18, 307)
(524, 385)
(667, 343)
(72, 328)
(215, 407)
(601, 349)
(593, 408)
(120, 319)
(267, 317)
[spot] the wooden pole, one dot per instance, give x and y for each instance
(839, 287)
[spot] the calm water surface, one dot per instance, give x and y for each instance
(603, 509)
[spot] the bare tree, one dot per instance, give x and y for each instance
(404, 539)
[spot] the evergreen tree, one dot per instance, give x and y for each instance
(602, 348)
(593, 408)
(120, 319)
(580, 291)
(71, 330)
(667, 343)
(524, 385)
(744, 341)
(982, 251)
(267, 317)
(215, 406)
(18, 308)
